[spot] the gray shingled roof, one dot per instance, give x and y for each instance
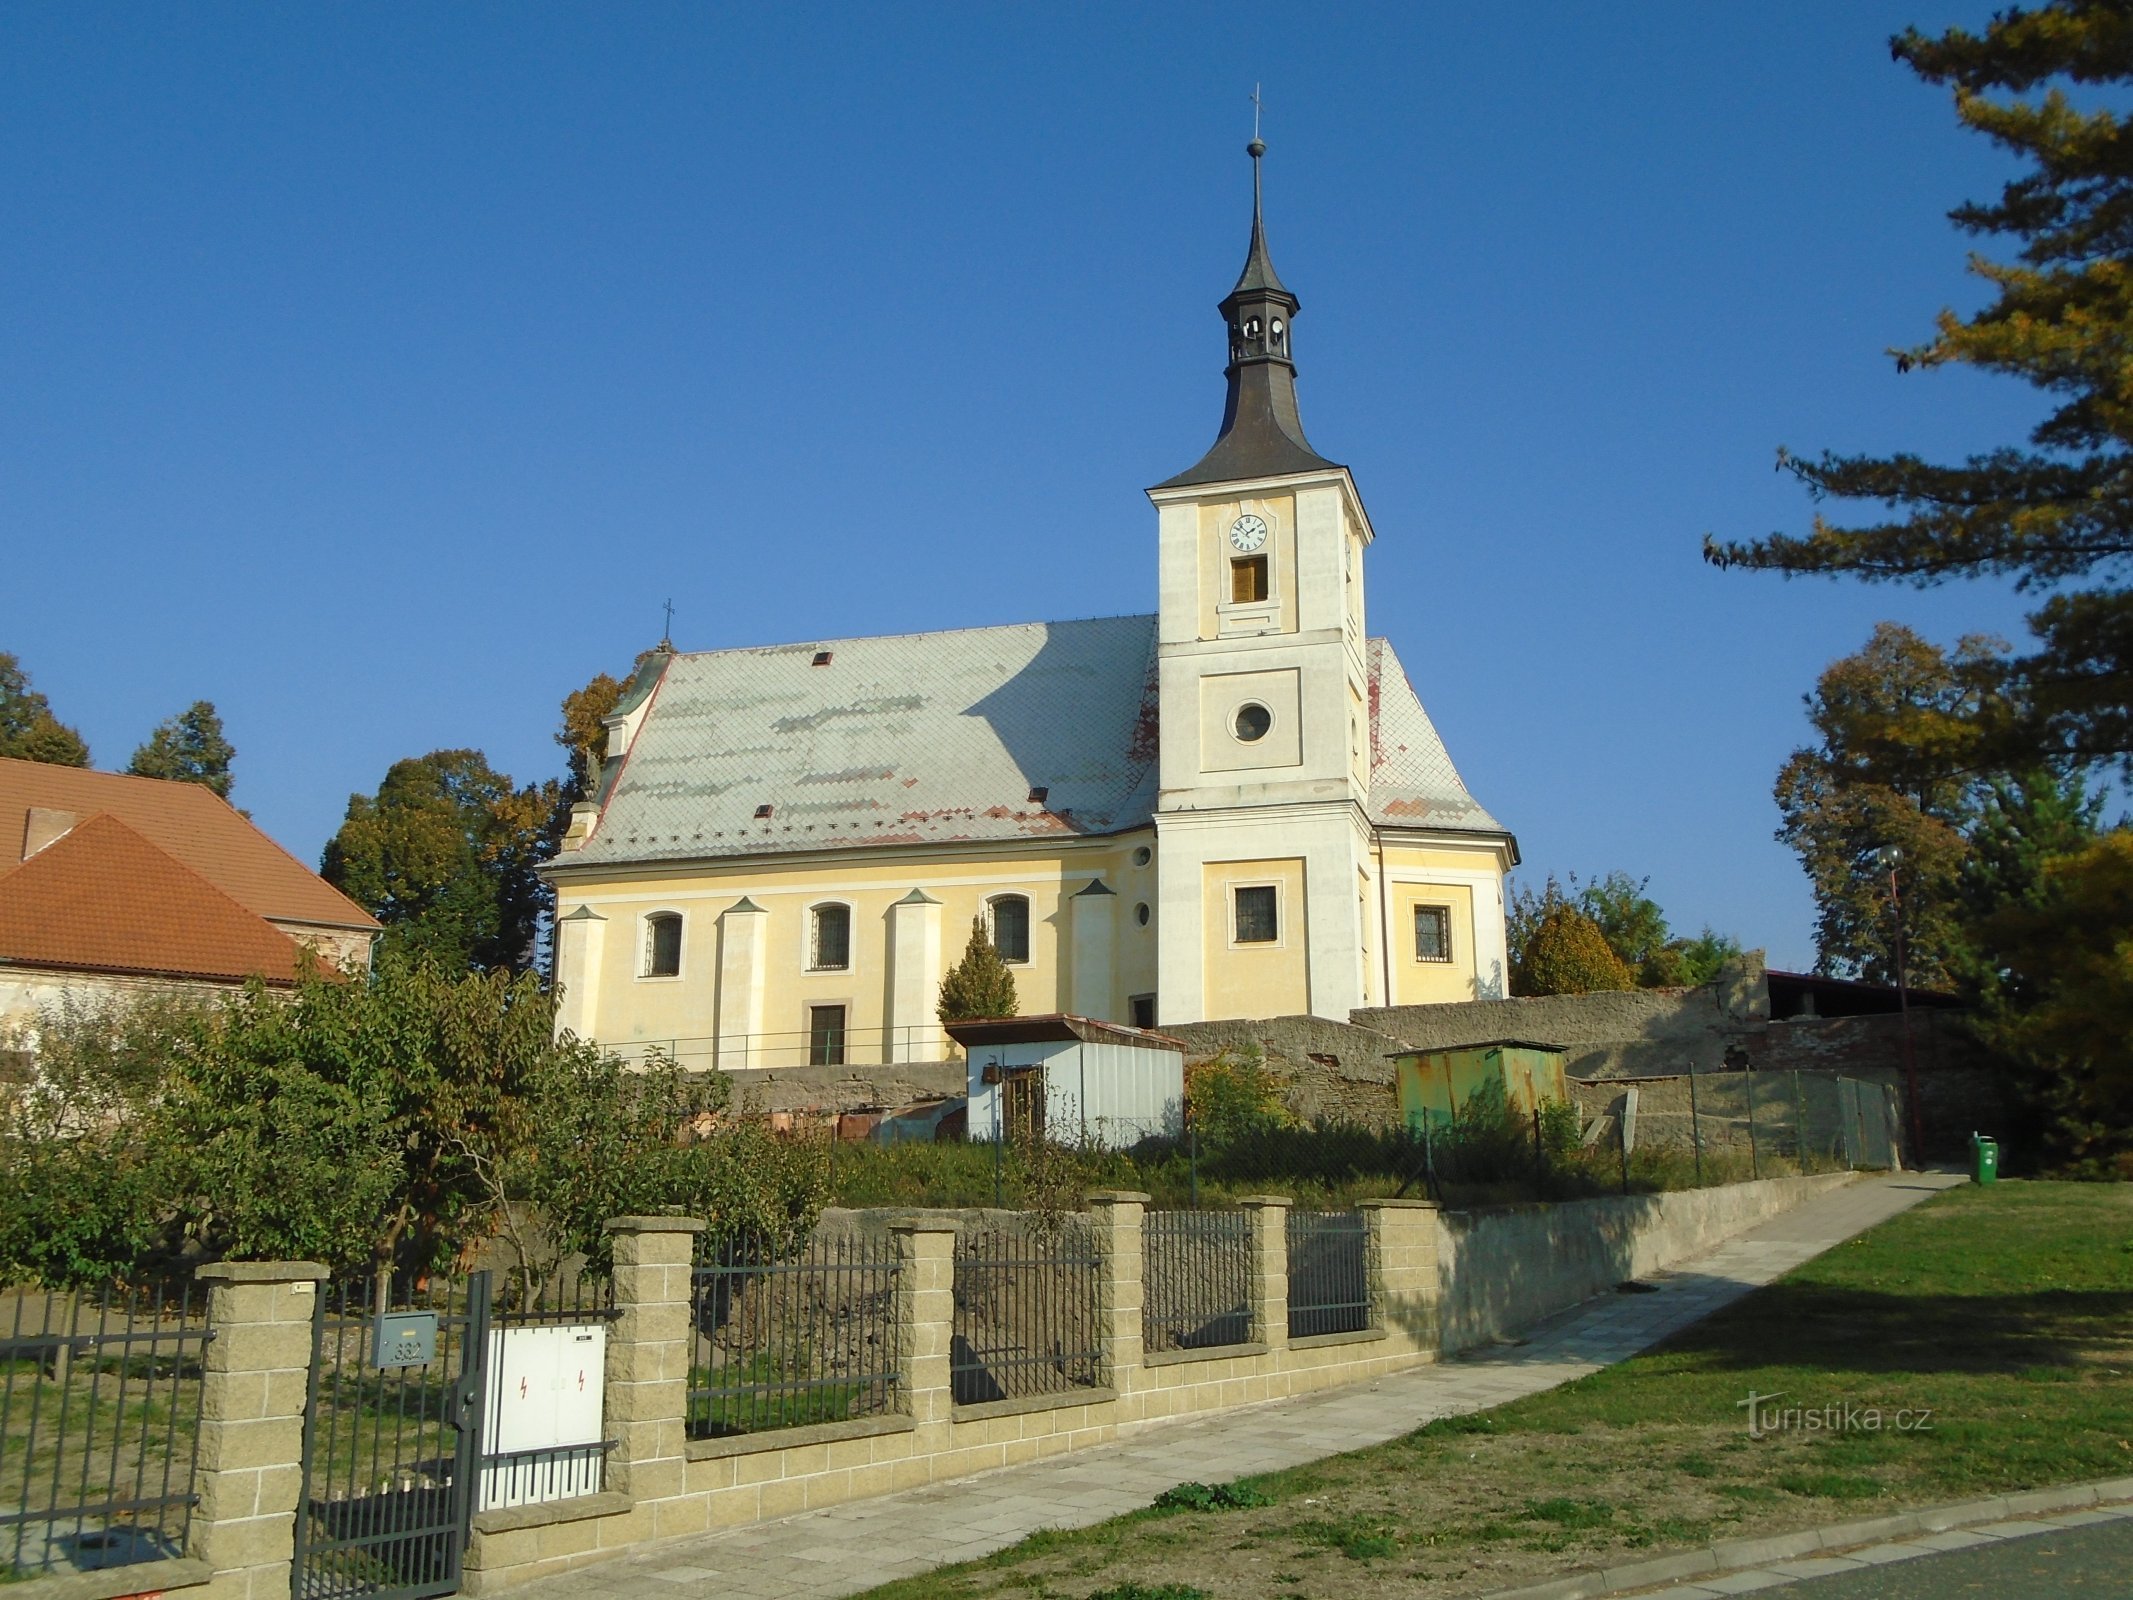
(1413, 783)
(936, 737)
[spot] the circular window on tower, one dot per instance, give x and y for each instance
(1140, 913)
(1252, 723)
(1143, 856)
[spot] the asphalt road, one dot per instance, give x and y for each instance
(2091, 1563)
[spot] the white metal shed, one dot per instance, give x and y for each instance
(1077, 1080)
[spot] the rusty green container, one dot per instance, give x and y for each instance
(1434, 1084)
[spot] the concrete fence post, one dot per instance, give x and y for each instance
(1403, 1268)
(648, 1353)
(255, 1381)
(925, 1322)
(1269, 1215)
(1120, 1287)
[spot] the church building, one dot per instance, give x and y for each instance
(1235, 807)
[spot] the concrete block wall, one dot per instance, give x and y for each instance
(663, 1485)
(1440, 1282)
(1501, 1268)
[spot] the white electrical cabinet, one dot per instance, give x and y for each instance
(545, 1391)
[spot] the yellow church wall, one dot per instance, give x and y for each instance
(632, 1009)
(1255, 980)
(1452, 877)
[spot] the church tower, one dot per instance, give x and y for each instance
(1264, 837)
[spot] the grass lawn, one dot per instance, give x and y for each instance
(2005, 1313)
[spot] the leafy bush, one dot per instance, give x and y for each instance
(397, 1120)
(1237, 1496)
(1233, 1096)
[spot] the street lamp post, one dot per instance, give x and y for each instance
(1889, 856)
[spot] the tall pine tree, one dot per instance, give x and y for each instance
(189, 748)
(2056, 512)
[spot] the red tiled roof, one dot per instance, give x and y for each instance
(104, 899)
(187, 821)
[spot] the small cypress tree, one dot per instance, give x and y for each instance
(979, 985)
(1568, 954)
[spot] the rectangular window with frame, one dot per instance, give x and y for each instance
(1247, 579)
(1143, 1010)
(662, 945)
(832, 944)
(825, 1036)
(1258, 915)
(1010, 927)
(1433, 933)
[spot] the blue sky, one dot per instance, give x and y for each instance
(377, 371)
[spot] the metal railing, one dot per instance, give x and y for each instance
(785, 1343)
(572, 1308)
(99, 1426)
(1329, 1273)
(877, 1046)
(1196, 1280)
(1027, 1317)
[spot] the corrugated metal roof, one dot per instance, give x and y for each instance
(938, 737)
(911, 739)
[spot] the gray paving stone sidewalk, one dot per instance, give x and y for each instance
(839, 1551)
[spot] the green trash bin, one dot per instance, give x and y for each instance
(1985, 1167)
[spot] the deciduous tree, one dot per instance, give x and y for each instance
(28, 730)
(1884, 777)
(445, 856)
(1568, 954)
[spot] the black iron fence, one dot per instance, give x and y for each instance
(1027, 1309)
(99, 1423)
(1196, 1280)
(1329, 1273)
(785, 1341)
(555, 1329)
(391, 1437)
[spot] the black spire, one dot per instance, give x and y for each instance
(1262, 434)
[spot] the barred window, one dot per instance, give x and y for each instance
(1433, 933)
(1010, 927)
(1256, 916)
(831, 948)
(662, 945)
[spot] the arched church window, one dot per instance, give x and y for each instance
(830, 945)
(662, 945)
(1010, 927)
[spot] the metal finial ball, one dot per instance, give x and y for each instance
(1256, 149)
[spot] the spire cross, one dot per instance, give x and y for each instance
(1255, 111)
(668, 636)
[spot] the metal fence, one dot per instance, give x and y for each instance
(1196, 1280)
(786, 1341)
(99, 1423)
(1733, 1125)
(568, 1312)
(391, 1437)
(1329, 1273)
(1026, 1310)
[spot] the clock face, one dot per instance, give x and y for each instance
(1247, 533)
